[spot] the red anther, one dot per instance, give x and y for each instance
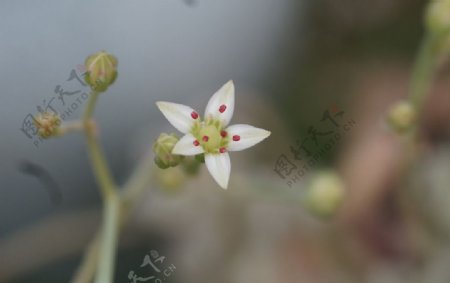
(222, 150)
(223, 133)
(222, 108)
(194, 115)
(236, 138)
(196, 143)
(205, 138)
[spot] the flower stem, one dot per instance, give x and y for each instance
(99, 164)
(86, 270)
(110, 229)
(132, 190)
(111, 209)
(423, 71)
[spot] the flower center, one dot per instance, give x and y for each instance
(211, 138)
(210, 135)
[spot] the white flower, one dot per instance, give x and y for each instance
(212, 136)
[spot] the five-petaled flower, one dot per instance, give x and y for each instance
(212, 136)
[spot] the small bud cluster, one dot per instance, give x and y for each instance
(47, 124)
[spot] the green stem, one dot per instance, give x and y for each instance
(106, 263)
(99, 164)
(111, 209)
(423, 71)
(86, 270)
(133, 189)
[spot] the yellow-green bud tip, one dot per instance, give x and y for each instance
(101, 71)
(402, 116)
(325, 193)
(47, 124)
(437, 17)
(163, 151)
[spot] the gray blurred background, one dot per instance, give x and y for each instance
(168, 50)
(290, 60)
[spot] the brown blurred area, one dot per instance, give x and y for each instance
(361, 55)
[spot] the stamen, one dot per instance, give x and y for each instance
(222, 150)
(222, 108)
(223, 133)
(194, 115)
(236, 138)
(205, 138)
(196, 143)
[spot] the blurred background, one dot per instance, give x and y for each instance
(320, 75)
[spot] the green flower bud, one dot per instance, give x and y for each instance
(438, 16)
(163, 151)
(325, 193)
(402, 116)
(47, 124)
(101, 71)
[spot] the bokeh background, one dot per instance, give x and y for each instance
(291, 60)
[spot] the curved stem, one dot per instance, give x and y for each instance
(99, 164)
(131, 192)
(423, 71)
(86, 270)
(111, 213)
(110, 229)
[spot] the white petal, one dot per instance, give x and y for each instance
(224, 96)
(249, 136)
(178, 115)
(185, 146)
(219, 166)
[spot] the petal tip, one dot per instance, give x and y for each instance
(219, 166)
(161, 104)
(223, 183)
(228, 89)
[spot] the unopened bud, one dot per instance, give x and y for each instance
(325, 193)
(163, 151)
(402, 116)
(438, 16)
(101, 71)
(47, 124)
